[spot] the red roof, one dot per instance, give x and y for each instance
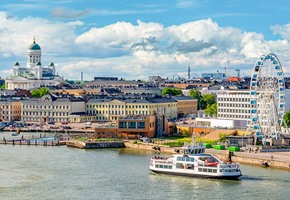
(235, 79)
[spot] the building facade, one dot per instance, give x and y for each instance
(234, 105)
(186, 105)
(51, 109)
(10, 110)
(136, 126)
(112, 109)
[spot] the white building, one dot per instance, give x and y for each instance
(33, 75)
(234, 105)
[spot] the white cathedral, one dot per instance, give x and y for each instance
(34, 75)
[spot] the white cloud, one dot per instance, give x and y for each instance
(61, 12)
(16, 35)
(186, 3)
(137, 50)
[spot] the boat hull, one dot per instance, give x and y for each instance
(227, 177)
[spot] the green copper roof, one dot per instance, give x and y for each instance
(51, 64)
(34, 46)
(16, 64)
(39, 63)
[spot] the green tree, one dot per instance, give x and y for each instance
(211, 110)
(286, 119)
(197, 95)
(178, 92)
(209, 99)
(40, 92)
(3, 86)
(171, 91)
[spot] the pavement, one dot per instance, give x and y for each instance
(277, 156)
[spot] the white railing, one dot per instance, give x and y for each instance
(163, 162)
(229, 166)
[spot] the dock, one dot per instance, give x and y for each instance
(32, 142)
(95, 144)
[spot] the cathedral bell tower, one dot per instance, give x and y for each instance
(33, 54)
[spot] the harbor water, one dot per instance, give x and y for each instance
(45, 172)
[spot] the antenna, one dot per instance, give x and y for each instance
(238, 72)
(228, 68)
(225, 71)
(188, 72)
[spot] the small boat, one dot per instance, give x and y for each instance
(14, 134)
(195, 162)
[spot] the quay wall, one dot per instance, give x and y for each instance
(95, 145)
(256, 161)
(219, 154)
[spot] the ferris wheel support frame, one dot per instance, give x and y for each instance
(267, 99)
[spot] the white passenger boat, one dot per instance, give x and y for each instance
(196, 163)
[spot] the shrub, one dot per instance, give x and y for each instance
(185, 133)
(205, 140)
(135, 142)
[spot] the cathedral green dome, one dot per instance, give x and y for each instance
(34, 46)
(16, 64)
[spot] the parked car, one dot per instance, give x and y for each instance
(145, 139)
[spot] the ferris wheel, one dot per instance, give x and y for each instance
(267, 97)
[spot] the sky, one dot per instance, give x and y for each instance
(134, 39)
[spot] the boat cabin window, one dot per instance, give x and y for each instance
(185, 159)
(197, 151)
(164, 166)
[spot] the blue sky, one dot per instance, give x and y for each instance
(138, 38)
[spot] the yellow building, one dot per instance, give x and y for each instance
(112, 109)
(186, 105)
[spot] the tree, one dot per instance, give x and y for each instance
(211, 110)
(3, 86)
(171, 91)
(209, 99)
(197, 95)
(40, 92)
(286, 119)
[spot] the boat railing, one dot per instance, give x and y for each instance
(163, 162)
(229, 165)
(207, 165)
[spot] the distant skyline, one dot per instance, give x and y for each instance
(136, 39)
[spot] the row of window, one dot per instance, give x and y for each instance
(230, 116)
(164, 166)
(234, 99)
(46, 113)
(118, 112)
(207, 170)
(45, 107)
(243, 105)
(127, 106)
(38, 119)
(229, 110)
(183, 158)
(132, 125)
